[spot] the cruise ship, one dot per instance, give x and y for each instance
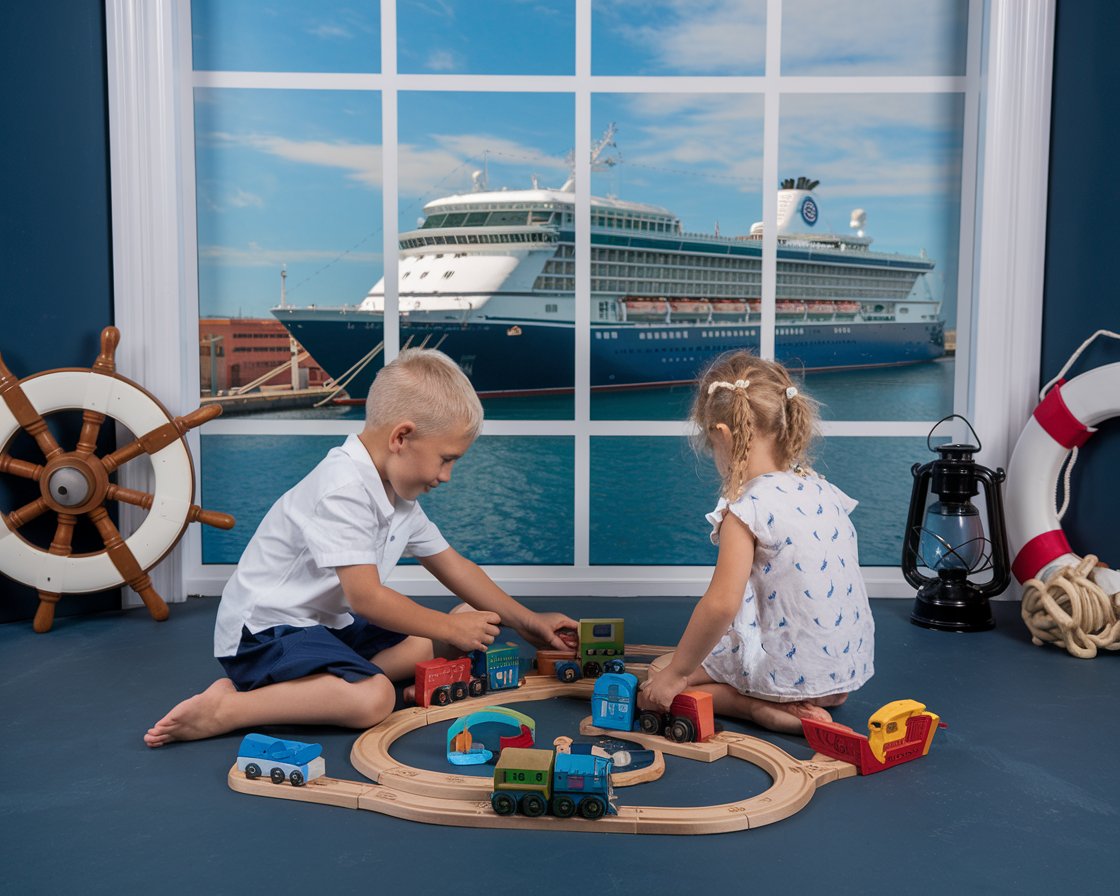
(489, 278)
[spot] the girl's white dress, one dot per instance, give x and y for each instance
(804, 628)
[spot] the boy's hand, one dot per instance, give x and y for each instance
(659, 689)
(553, 630)
(472, 629)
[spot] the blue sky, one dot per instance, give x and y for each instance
(294, 177)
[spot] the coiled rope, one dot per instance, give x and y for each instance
(1072, 611)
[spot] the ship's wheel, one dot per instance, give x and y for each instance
(77, 483)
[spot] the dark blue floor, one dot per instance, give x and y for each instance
(1021, 794)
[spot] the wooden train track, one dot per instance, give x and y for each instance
(464, 800)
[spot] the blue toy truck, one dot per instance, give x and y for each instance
(281, 760)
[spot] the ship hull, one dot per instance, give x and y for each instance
(525, 358)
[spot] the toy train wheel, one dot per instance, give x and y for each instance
(568, 674)
(477, 687)
(76, 483)
(617, 666)
(503, 803)
(649, 723)
(458, 691)
(533, 805)
(681, 730)
(277, 776)
(441, 696)
(592, 670)
(252, 771)
(296, 778)
(563, 807)
(591, 808)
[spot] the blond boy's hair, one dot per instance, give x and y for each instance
(425, 386)
(753, 397)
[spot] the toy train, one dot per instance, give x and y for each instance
(283, 760)
(690, 719)
(898, 732)
(442, 681)
(601, 647)
(536, 782)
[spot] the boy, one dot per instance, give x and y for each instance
(292, 651)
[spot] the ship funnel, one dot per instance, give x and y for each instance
(798, 209)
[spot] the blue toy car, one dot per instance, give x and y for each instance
(282, 760)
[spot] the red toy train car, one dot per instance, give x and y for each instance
(440, 681)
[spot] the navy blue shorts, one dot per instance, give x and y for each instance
(287, 652)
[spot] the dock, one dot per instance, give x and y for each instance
(268, 400)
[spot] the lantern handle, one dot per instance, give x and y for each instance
(950, 417)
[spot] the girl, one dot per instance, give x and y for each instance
(784, 628)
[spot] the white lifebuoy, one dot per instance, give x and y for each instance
(1063, 420)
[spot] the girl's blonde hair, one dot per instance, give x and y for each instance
(426, 387)
(753, 397)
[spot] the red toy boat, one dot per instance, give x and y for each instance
(900, 731)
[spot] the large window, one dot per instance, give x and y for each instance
(582, 202)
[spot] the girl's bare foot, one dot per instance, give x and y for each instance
(786, 717)
(193, 719)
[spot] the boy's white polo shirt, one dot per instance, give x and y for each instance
(338, 515)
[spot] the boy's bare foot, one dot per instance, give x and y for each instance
(193, 719)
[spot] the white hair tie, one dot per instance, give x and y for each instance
(791, 392)
(723, 384)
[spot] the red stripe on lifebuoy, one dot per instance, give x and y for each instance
(1039, 551)
(1058, 420)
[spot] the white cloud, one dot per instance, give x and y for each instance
(330, 32)
(255, 256)
(442, 61)
(244, 199)
(360, 161)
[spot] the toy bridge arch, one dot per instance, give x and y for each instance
(464, 801)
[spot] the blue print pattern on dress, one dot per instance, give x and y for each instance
(807, 593)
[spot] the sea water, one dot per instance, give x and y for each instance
(511, 499)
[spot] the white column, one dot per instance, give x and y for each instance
(150, 281)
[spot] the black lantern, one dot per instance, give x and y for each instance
(947, 537)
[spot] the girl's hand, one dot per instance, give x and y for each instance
(660, 688)
(553, 630)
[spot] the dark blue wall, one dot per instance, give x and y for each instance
(1083, 231)
(56, 286)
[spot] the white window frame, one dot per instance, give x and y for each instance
(151, 133)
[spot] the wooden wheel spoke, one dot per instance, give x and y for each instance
(130, 496)
(160, 437)
(24, 412)
(91, 426)
(126, 563)
(25, 514)
(145, 500)
(210, 518)
(22, 468)
(63, 534)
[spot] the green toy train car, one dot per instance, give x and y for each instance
(536, 782)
